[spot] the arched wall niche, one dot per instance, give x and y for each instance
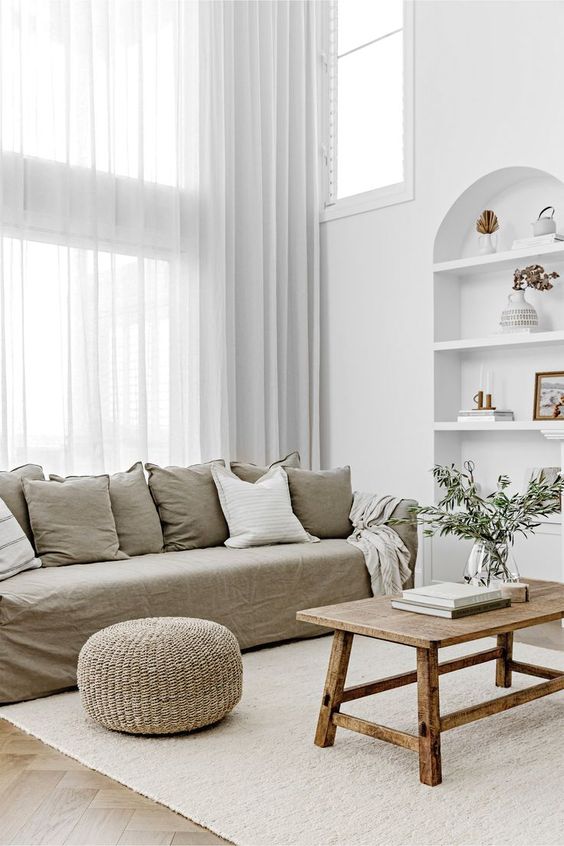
(471, 353)
(516, 194)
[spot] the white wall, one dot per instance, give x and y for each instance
(489, 78)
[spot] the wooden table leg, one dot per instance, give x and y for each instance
(502, 668)
(334, 684)
(429, 716)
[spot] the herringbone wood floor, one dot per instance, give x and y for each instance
(47, 798)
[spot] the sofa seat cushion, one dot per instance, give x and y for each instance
(47, 615)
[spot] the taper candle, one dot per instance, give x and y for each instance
(489, 382)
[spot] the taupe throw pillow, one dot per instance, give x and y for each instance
(188, 504)
(72, 523)
(252, 473)
(137, 521)
(322, 500)
(11, 491)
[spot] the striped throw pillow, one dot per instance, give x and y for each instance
(16, 552)
(259, 513)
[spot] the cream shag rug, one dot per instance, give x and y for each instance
(256, 778)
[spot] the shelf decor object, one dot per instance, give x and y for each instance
(486, 226)
(484, 410)
(492, 522)
(549, 395)
(519, 315)
(544, 225)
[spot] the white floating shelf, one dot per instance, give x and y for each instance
(551, 520)
(512, 426)
(499, 261)
(493, 341)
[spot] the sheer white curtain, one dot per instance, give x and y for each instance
(259, 221)
(159, 242)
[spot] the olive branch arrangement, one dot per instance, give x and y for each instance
(494, 519)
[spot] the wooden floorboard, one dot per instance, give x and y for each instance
(146, 838)
(47, 798)
(20, 801)
(55, 817)
(50, 799)
(99, 826)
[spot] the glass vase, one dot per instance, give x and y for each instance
(489, 563)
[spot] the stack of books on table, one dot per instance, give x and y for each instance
(481, 415)
(450, 600)
(537, 241)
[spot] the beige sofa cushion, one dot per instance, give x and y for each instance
(72, 522)
(251, 472)
(322, 500)
(135, 514)
(188, 504)
(11, 491)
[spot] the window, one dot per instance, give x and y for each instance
(49, 342)
(95, 235)
(111, 74)
(368, 124)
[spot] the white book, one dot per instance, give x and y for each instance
(537, 240)
(450, 613)
(465, 418)
(451, 594)
(486, 412)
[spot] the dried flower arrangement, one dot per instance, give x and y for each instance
(487, 223)
(533, 276)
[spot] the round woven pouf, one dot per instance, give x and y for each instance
(160, 675)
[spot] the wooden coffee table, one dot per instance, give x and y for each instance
(376, 618)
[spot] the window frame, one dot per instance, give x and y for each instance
(377, 198)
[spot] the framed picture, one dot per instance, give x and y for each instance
(549, 396)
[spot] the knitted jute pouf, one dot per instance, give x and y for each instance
(160, 675)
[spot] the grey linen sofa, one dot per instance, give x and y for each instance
(47, 614)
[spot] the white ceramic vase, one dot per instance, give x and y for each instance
(487, 244)
(518, 315)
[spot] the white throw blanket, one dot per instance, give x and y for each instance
(385, 554)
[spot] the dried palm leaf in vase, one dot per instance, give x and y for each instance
(486, 225)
